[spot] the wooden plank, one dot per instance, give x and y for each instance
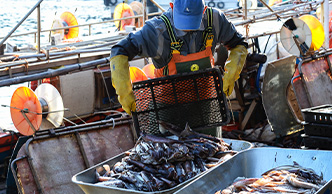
(248, 115)
(78, 93)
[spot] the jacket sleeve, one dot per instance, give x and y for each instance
(143, 43)
(226, 32)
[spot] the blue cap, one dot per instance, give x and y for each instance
(187, 14)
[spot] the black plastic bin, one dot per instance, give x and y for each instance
(319, 114)
(195, 97)
(315, 142)
(315, 129)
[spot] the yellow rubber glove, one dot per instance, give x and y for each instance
(121, 82)
(233, 68)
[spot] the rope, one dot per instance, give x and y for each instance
(69, 121)
(104, 81)
(113, 123)
(76, 117)
(79, 118)
(230, 106)
(113, 111)
(26, 65)
(16, 57)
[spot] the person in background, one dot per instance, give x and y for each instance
(183, 39)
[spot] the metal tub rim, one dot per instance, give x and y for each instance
(170, 190)
(223, 175)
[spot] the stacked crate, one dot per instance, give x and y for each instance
(318, 127)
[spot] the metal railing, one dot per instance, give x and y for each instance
(144, 16)
(23, 19)
(37, 33)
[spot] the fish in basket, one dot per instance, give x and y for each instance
(282, 179)
(159, 164)
(268, 170)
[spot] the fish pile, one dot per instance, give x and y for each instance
(282, 179)
(158, 163)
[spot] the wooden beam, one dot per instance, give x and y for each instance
(248, 115)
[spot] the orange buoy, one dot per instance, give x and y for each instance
(138, 10)
(136, 74)
(66, 19)
(149, 70)
(70, 20)
(123, 10)
(25, 99)
(273, 2)
(318, 12)
(316, 29)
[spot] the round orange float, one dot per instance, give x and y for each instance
(149, 70)
(70, 20)
(66, 19)
(138, 10)
(273, 2)
(136, 74)
(317, 31)
(318, 13)
(123, 10)
(25, 99)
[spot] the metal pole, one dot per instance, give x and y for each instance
(54, 72)
(17, 25)
(144, 11)
(87, 126)
(28, 121)
(326, 23)
(38, 27)
(13, 168)
(161, 8)
(277, 47)
(266, 5)
(246, 17)
(62, 53)
(247, 21)
(33, 170)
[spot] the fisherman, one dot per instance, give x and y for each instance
(184, 35)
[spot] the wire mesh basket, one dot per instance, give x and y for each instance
(195, 98)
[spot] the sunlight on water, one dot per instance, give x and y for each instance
(14, 11)
(84, 11)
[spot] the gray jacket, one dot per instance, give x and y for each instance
(153, 39)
